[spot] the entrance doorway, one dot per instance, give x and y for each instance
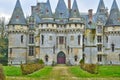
(61, 59)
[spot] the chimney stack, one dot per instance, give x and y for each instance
(69, 4)
(90, 15)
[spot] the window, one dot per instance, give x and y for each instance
(83, 56)
(42, 39)
(119, 57)
(72, 38)
(99, 58)
(106, 39)
(31, 50)
(61, 40)
(50, 38)
(113, 47)
(10, 50)
(99, 48)
(99, 39)
(99, 29)
(75, 25)
(22, 39)
(31, 38)
(76, 58)
(46, 58)
(79, 40)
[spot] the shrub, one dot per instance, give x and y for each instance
(2, 76)
(91, 68)
(30, 68)
(41, 61)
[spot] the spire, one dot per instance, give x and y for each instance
(48, 10)
(114, 17)
(18, 15)
(75, 12)
(61, 10)
(101, 6)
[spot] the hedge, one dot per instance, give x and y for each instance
(91, 68)
(2, 76)
(30, 68)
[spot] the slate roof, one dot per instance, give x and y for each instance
(18, 15)
(48, 11)
(61, 10)
(114, 17)
(74, 12)
(100, 6)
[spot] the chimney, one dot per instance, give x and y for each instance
(90, 15)
(69, 4)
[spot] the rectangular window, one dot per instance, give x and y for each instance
(31, 38)
(99, 48)
(99, 39)
(21, 38)
(99, 58)
(61, 40)
(50, 38)
(72, 38)
(119, 57)
(99, 29)
(10, 50)
(31, 50)
(42, 36)
(79, 39)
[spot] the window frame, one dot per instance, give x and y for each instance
(31, 50)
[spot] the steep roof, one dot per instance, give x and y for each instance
(61, 10)
(48, 11)
(18, 15)
(75, 12)
(114, 17)
(101, 6)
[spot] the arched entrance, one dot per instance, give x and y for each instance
(61, 59)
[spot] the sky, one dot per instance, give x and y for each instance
(7, 6)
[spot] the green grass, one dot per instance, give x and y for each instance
(104, 71)
(41, 73)
(12, 71)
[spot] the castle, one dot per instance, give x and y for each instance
(66, 36)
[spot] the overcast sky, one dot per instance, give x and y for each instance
(7, 6)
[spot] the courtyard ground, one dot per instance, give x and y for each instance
(60, 72)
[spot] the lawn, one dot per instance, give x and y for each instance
(13, 71)
(41, 73)
(104, 72)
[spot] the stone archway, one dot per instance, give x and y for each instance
(61, 58)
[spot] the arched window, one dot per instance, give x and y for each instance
(42, 39)
(113, 47)
(46, 58)
(79, 40)
(76, 57)
(21, 38)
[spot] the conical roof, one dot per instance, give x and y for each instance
(18, 15)
(61, 10)
(48, 10)
(75, 12)
(114, 17)
(101, 6)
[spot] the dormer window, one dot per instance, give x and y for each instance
(75, 10)
(17, 17)
(61, 14)
(47, 10)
